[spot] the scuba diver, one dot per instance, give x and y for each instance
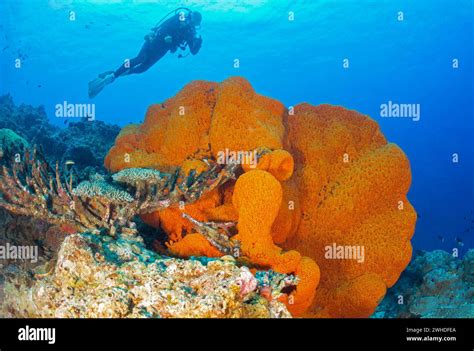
(178, 31)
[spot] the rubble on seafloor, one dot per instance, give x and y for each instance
(98, 276)
(434, 285)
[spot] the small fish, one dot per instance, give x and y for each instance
(459, 241)
(69, 163)
(39, 86)
(66, 121)
(441, 238)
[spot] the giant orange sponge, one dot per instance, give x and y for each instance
(352, 187)
(327, 202)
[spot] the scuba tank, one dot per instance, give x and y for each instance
(151, 35)
(168, 15)
(173, 12)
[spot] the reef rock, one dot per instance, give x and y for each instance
(434, 285)
(84, 142)
(99, 276)
(9, 138)
(328, 178)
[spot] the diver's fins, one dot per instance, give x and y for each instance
(96, 85)
(105, 74)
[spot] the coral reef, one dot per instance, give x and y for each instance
(9, 138)
(100, 277)
(434, 285)
(21, 231)
(32, 188)
(84, 142)
(297, 182)
(327, 176)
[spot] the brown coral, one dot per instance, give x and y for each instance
(349, 188)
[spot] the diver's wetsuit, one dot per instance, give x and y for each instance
(182, 33)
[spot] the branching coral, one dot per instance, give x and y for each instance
(328, 178)
(31, 187)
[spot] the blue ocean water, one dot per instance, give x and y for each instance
(300, 60)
